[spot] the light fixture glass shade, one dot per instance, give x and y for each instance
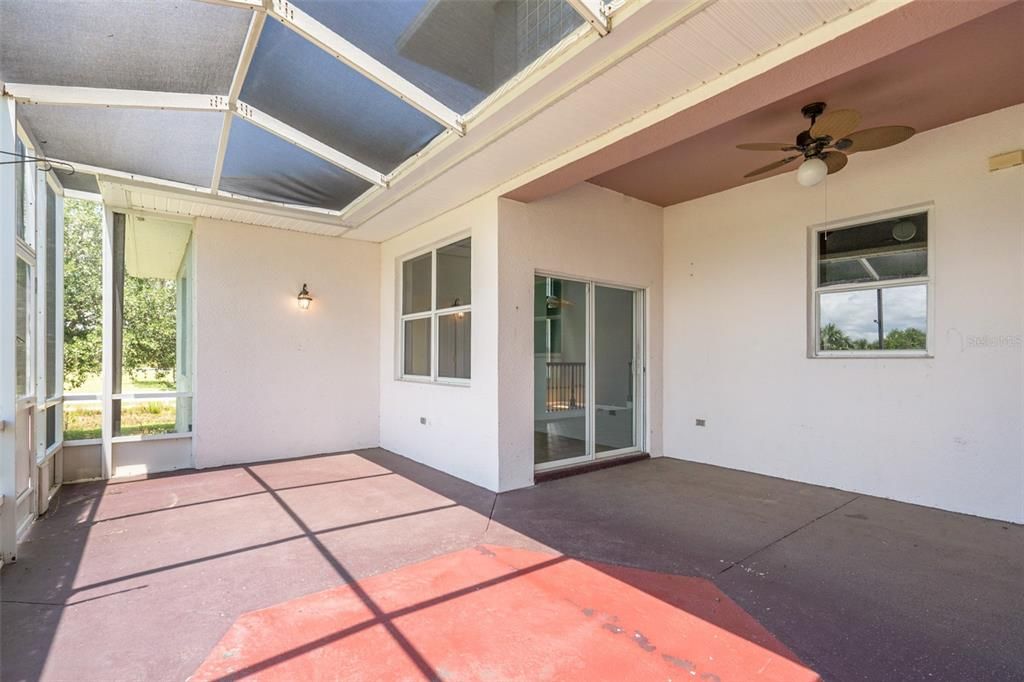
(811, 172)
(304, 298)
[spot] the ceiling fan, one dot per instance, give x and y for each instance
(825, 145)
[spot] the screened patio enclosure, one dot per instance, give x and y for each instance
(305, 108)
(311, 104)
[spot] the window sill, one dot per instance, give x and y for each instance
(427, 381)
(864, 355)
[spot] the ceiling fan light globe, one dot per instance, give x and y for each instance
(811, 172)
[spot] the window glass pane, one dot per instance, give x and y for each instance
(152, 416)
(19, 190)
(887, 249)
(83, 419)
(560, 370)
(27, 226)
(453, 274)
(891, 319)
(454, 334)
(416, 285)
(51, 425)
(905, 317)
(21, 331)
(899, 265)
(83, 299)
(416, 353)
(52, 370)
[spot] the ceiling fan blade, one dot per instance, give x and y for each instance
(876, 138)
(836, 124)
(835, 161)
(766, 147)
(772, 166)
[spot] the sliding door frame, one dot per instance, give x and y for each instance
(639, 373)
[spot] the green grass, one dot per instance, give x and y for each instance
(83, 421)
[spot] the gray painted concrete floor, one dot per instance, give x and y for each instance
(140, 579)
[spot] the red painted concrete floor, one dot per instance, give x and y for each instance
(500, 613)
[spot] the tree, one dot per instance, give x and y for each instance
(906, 339)
(834, 338)
(83, 286)
(150, 326)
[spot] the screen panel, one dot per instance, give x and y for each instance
(171, 145)
(162, 45)
(300, 84)
(261, 165)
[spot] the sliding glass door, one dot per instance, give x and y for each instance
(587, 340)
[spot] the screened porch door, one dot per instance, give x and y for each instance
(587, 378)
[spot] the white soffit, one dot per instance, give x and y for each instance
(163, 202)
(662, 61)
(154, 247)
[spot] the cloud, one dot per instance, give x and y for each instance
(856, 312)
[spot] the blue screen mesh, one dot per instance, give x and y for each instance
(261, 165)
(459, 51)
(310, 90)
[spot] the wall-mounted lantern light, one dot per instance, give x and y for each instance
(304, 298)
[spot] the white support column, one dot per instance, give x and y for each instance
(112, 98)
(40, 365)
(333, 44)
(594, 12)
(107, 429)
(8, 305)
(310, 144)
(252, 37)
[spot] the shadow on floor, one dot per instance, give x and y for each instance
(147, 575)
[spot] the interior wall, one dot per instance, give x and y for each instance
(273, 381)
(585, 233)
(460, 432)
(944, 431)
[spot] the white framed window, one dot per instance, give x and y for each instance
(871, 285)
(435, 314)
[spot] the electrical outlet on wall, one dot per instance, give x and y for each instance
(702, 422)
(423, 420)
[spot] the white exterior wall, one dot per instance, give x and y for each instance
(273, 381)
(944, 432)
(586, 232)
(461, 433)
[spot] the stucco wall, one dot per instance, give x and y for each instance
(587, 233)
(945, 431)
(460, 433)
(273, 381)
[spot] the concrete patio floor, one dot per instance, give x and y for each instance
(141, 579)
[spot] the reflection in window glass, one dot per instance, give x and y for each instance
(416, 277)
(453, 274)
(869, 286)
(417, 347)
(893, 248)
(894, 318)
(51, 426)
(454, 333)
